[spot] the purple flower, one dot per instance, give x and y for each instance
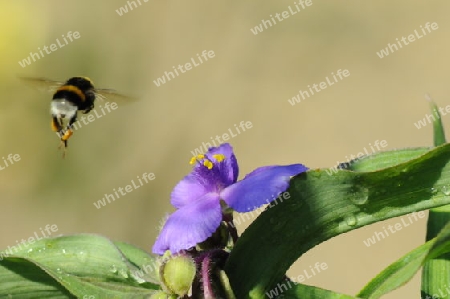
(214, 178)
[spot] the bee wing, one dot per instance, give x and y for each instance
(112, 95)
(42, 84)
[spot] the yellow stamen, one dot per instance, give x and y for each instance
(219, 157)
(196, 158)
(208, 164)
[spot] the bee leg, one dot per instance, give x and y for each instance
(67, 134)
(64, 137)
(56, 126)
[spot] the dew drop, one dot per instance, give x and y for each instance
(359, 195)
(350, 220)
(82, 256)
(445, 190)
(113, 269)
(433, 190)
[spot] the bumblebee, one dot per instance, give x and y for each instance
(76, 94)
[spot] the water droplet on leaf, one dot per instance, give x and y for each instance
(350, 220)
(82, 256)
(113, 269)
(445, 190)
(359, 195)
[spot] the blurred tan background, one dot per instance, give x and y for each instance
(250, 78)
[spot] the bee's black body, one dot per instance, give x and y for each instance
(77, 94)
(79, 91)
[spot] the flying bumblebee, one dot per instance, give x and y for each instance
(76, 94)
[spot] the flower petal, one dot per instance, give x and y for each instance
(190, 225)
(190, 189)
(259, 187)
(203, 180)
(228, 168)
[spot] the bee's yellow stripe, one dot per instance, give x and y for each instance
(73, 89)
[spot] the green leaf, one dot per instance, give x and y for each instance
(323, 206)
(299, 291)
(80, 266)
(436, 273)
(405, 268)
(438, 128)
(385, 159)
(148, 267)
(22, 279)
